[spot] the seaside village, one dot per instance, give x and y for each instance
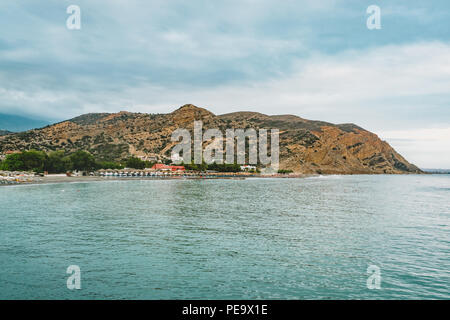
(158, 170)
(163, 170)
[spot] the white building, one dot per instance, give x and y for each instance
(176, 158)
(248, 168)
(151, 158)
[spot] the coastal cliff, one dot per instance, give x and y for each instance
(306, 146)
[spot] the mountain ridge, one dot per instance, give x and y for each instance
(306, 146)
(15, 123)
(4, 132)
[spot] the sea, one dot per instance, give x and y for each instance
(321, 237)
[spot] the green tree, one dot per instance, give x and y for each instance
(135, 163)
(25, 161)
(34, 160)
(283, 171)
(108, 165)
(82, 161)
(213, 166)
(225, 167)
(149, 164)
(13, 162)
(56, 162)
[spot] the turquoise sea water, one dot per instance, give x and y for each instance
(311, 238)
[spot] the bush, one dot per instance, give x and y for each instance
(25, 161)
(82, 161)
(56, 162)
(108, 165)
(282, 171)
(214, 167)
(135, 163)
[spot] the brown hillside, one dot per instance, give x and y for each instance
(306, 146)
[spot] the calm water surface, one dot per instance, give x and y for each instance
(309, 238)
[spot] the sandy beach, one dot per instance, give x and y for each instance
(65, 179)
(21, 180)
(62, 178)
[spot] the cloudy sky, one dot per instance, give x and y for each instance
(314, 59)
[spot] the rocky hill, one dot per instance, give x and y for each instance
(305, 146)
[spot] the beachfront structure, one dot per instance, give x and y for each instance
(176, 158)
(248, 168)
(136, 173)
(152, 158)
(157, 170)
(164, 167)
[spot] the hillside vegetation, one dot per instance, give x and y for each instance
(305, 146)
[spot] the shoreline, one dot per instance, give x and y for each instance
(52, 179)
(65, 179)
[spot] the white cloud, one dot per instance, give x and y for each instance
(383, 88)
(396, 87)
(427, 148)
